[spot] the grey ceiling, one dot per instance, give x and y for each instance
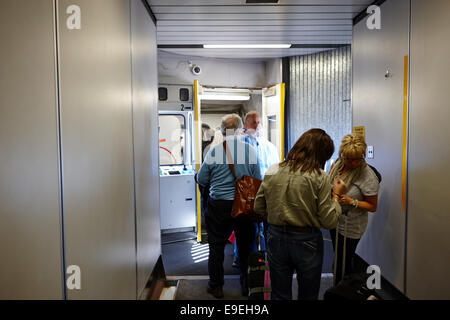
(299, 22)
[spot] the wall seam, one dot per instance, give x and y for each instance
(134, 149)
(150, 11)
(405, 262)
(59, 142)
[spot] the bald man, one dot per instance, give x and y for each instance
(215, 172)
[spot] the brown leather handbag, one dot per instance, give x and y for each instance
(244, 197)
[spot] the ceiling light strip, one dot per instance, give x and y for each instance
(247, 46)
(224, 97)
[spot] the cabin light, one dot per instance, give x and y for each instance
(224, 97)
(247, 46)
(261, 1)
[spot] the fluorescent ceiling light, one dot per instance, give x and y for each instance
(261, 1)
(218, 90)
(219, 97)
(247, 46)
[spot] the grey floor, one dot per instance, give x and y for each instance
(185, 264)
(179, 259)
(195, 289)
(179, 256)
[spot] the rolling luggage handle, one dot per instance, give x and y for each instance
(266, 289)
(343, 251)
(259, 236)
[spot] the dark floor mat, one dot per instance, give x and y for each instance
(168, 238)
(196, 289)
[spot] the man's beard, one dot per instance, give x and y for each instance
(256, 133)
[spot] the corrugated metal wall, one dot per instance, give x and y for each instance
(320, 94)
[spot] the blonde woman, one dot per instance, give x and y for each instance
(361, 197)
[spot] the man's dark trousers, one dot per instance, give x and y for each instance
(219, 225)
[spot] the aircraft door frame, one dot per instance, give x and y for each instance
(273, 104)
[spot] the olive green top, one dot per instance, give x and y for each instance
(297, 199)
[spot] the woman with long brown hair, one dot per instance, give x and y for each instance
(296, 198)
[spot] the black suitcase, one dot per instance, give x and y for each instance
(351, 287)
(258, 276)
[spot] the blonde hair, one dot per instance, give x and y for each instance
(353, 145)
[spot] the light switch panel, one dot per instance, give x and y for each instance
(370, 154)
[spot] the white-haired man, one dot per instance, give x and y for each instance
(216, 173)
(267, 152)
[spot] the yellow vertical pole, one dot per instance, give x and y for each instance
(197, 147)
(405, 130)
(282, 120)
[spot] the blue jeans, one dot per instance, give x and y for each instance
(299, 251)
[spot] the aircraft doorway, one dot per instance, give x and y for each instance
(212, 103)
(188, 129)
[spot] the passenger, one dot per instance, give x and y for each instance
(217, 138)
(207, 139)
(267, 156)
(252, 133)
(296, 197)
(361, 198)
(215, 171)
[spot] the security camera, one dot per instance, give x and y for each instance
(196, 70)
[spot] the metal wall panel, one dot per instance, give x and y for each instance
(30, 238)
(428, 252)
(97, 153)
(320, 93)
(378, 106)
(146, 145)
